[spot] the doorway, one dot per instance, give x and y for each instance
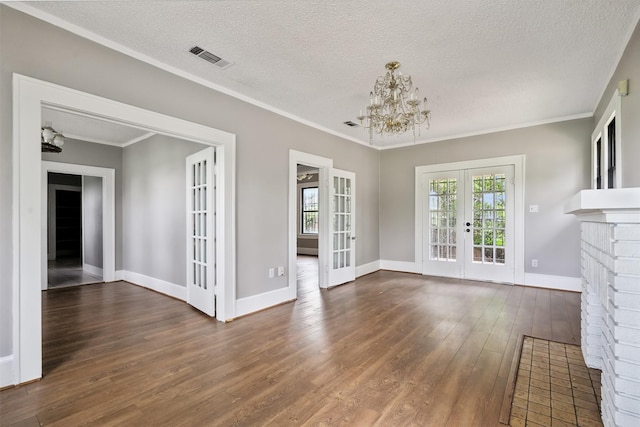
(74, 225)
(29, 207)
(307, 225)
(469, 220)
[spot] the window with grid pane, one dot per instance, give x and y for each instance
(442, 224)
(489, 218)
(309, 210)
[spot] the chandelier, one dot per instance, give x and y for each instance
(51, 140)
(394, 106)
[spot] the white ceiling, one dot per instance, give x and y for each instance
(484, 64)
(86, 128)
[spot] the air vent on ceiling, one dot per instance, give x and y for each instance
(210, 57)
(350, 123)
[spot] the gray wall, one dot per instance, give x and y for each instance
(628, 68)
(155, 219)
(263, 143)
(100, 155)
(92, 220)
(556, 168)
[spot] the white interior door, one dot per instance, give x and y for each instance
(342, 259)
(489, 224)
(201, 266)
(468, 223)
(443, 205)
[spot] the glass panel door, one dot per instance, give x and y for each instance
(468, 224)
(489, 224)
(342, 259)
(442, 229)
(201, 231)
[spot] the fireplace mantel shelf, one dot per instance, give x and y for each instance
(621, 205)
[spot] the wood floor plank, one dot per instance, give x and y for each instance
(388, 349)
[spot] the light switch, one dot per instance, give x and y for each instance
(533, 208)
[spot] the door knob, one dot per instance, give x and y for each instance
(354, 238)
(468, 224)
(468, 230)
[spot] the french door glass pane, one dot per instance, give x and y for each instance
(341, 223)
(442, 222)
(489, 218)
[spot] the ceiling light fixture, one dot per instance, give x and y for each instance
(394, 106)
(51, 140)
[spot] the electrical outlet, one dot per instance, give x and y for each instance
(272, 273)
(534, 263)
(280, 271)
(534, 209)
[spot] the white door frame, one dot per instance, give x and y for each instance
(518, 163)
(29, 95)
(108, 176)
(323, 164)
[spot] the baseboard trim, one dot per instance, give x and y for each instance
(7, 374)
(562, 283)
(119, 275)
(403, 266)
(92, 269)
(259, 302)
(167, 288)
(369, 268)
(307, 251)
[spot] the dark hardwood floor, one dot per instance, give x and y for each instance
(388, 349)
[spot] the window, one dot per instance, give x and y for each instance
(309, 210)
(605, 161)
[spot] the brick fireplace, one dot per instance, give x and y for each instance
(610, 257)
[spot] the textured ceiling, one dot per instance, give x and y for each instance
(484, 65)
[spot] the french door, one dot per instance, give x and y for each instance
(201, 272)
(342, 261)
(468, 223)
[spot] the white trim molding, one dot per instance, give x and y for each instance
(248, 305)
(548, 281)
(158, 285)
(364, 269)
(402, 266)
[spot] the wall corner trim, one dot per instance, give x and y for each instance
(161, 286)
(261, 301)
(364, 269)
(402, 266)
(562, 283)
